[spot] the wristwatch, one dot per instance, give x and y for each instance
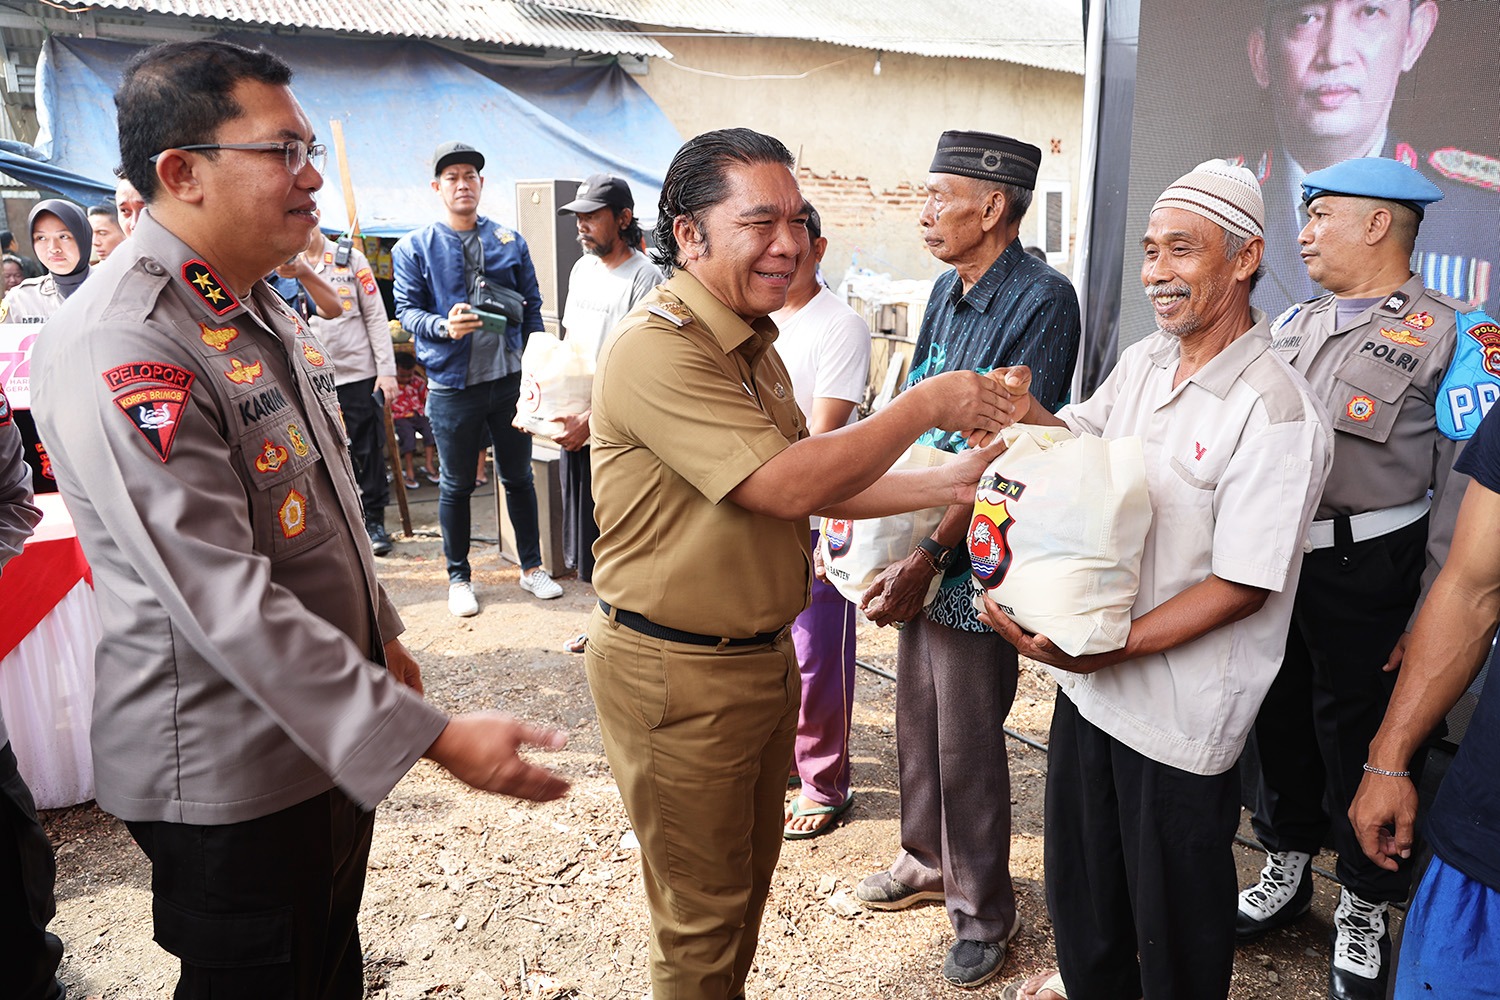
(937, 555)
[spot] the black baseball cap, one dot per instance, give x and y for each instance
(456, 152)
(600, 191)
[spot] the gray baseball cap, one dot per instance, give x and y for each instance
(456, 152)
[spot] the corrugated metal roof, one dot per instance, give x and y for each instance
(1043, 33)
(497, 22)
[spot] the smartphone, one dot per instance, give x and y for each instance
(491, 322)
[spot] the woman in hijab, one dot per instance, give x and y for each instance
(61, 238)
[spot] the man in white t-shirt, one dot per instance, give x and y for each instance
(611, 276)
(826, 348)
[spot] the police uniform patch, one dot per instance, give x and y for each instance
(120, 376)
(1397, 302)
(292, 514)
(272, 457)
(1360, 408)
(1403, 337)
(45, 460)
(506, 236)
(217, 337)
(675, 312)
(1419, 321)
(156, 412)
(242, 374)
(1487, 332)
(366, 280)
(5, 416)
(299, 443)
(207, 286)
(313, 355)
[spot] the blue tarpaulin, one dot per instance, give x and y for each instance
(15, 160)
(397, 101)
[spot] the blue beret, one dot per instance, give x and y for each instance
(1373, 177)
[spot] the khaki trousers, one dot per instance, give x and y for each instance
(700, 742)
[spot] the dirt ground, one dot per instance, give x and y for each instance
(476, 896)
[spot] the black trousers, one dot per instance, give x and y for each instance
(1314, 729)
(263, 908)
(27, 874)
(580, 531)
(1140, 868)
(365, 426)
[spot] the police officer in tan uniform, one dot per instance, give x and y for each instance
(1388, 358)
(254, 702)
(704, 477)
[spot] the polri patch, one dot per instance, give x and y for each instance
(242, 374)
(366, 280)
(1397, 302)
(1360, 408)
(121, 376)
(292, 514)
(207, 286)
(156, 412)
(1419, 321)
(217, 337)
(313, 355)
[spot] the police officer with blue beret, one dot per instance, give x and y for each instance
(1406, 373)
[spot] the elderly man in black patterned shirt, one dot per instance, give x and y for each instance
(956, 678)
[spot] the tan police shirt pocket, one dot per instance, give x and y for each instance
(280, 465)
(1367, 393)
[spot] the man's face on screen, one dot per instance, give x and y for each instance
(1332, 67)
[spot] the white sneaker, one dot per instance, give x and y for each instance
(461, 600)
(540, 585)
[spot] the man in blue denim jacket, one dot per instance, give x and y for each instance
(473, 374)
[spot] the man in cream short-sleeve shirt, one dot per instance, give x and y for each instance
(1142, 796)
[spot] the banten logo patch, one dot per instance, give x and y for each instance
(217, 337)
(157, 413)
(839, 532)
(207, 286)
(989, 551)
(242, 374)
(1360, 408)
(272, 457)
(120, 376)
(292, 514)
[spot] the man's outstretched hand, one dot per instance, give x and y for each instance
(481, 749)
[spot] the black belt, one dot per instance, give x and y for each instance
(645, 626)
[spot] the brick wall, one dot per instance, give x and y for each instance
(878, 228)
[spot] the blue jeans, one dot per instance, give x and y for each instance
(461, 420)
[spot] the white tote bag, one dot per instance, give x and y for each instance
(557, 380)
(855, 552)
(1058, 533)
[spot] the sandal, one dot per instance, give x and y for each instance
(1053, 983)
(832, 814)
(577, 644)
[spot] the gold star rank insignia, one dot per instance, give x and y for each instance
(205, 284)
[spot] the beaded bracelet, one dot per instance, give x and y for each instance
(1388, 774)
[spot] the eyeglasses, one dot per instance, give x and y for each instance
(298, 154)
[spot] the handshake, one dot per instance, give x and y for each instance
(979, 406)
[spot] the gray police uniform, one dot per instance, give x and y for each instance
(33, 301)
(240, 674)
(1375, 548)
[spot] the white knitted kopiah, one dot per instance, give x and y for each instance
(1225, 194)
